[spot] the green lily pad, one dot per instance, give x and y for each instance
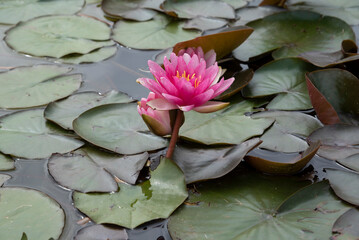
(293, 33)
(138, 10)
(227, 126)
(117, 127)
(289, 130)
(134, 205)
(65, 111)
(286, 79)
(12, 12)
(58, 36)
(347, 225)
(159, 33)
(351, 162)
(237, 3)
(4, 178)
(248, 14)
(91, 170)
(95, 56)
(194, 8)
(345, 10)
(344, 184)
(334, 95)
(31, 212)
(27, 134)
(247, 205)
(337, 141)
(208, 163)
(204, 23)
(101, 232)
(36, 85)
(6, 163)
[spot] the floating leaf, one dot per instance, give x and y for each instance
(344, 184)
(101, 232)
(204, 23)
(12, 12)
(95, 56)
(65, 111)
(208, 163)
(246, 205)
(138, 10)
(6, 163)
(345, 10)
(222, 43)
(334, 95)
(36, 85)
(3, 179)
(284, 77)
(134, 205)
(58, 36)
(91, 170)
(248, 14)
(27, 134)
(236, 3)
(337, 141)
(293, 33)
(31, 212)
(195, 8)
(280, 164)
(117, 127)
(159, 33)
(228, 126)
(351, 162)
(347, 225)
(288, 131)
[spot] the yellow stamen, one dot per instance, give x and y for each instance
(189, 78)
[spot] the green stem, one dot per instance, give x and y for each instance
(174, 137)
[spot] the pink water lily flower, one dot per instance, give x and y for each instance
(187, 83)
(157, 121)
(209, 57)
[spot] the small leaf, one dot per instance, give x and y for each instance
(101, 232)
(347, 225)
(94, 56)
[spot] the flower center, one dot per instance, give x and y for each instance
(193, 79)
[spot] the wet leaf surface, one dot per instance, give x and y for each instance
(65, 111)
(27, 134)
(293, 33)
(248, 14)
(347, 225)
(159, 33)
(246, 205)
(204, 23)
(29, 211)
(6, 163)
(286, 79)
(351, 162)
(101, 232)
(94, 56)
(134, 205)
(37, 85)
(208, 163)
(117, 127)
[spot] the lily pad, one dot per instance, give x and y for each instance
(58, 36)
(334, 95)
(223, 43)
(6, 163)
(351, 162)
(246, 205)
(65, 111)
(344, 184)
(337, 141)
(347, 225)
(134, 205)
(101, 232)
(194, 8)
(159, 33)
(286, 79)
(95, 56)
(237, 3)
(4, 178)
(117, 127)
(248, 14)
(12, 12)
(91, 170)
(289, 130)
(345, 10)
(281, 164)
(31, 212)
(208, 163)
(27, 134)
(36, 85)
(227, 126)
(138, 10)
(204, 23)
(293, 33)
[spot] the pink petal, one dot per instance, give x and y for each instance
(151, 84)
(161, 104)
(210, 57)
(156, 126)
(173, 99)
(168, 85)
(186, 108)
(156, 70)
(225, 85)
(203, 97)
(211, 106)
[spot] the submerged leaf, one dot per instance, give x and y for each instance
(101, 232)
(3, 179)
(94, 56)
